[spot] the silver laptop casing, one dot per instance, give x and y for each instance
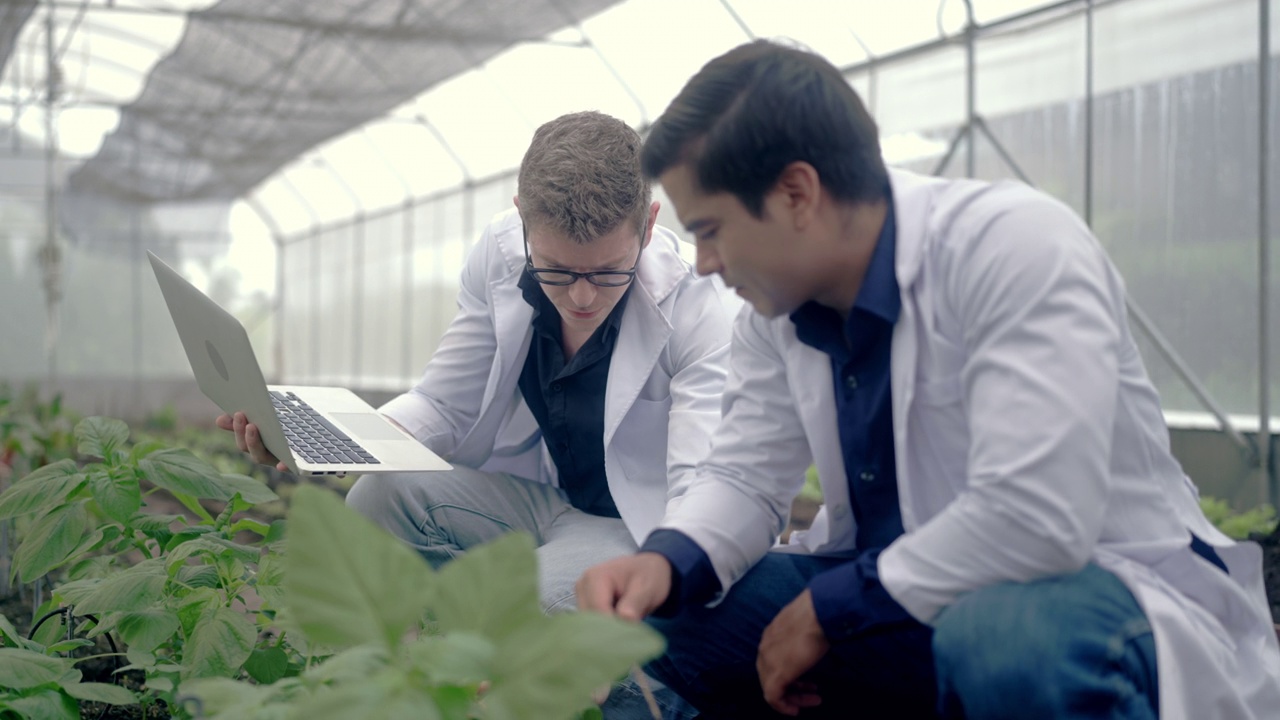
(228, 373)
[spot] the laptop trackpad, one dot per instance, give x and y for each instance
(368, 426)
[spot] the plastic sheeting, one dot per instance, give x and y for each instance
(252, 85)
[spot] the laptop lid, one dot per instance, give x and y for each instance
(227, 372)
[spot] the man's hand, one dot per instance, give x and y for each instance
(791, 645)
(248, 440)
(629, 587)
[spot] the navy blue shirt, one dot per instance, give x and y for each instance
(567, 399)
(848, 599)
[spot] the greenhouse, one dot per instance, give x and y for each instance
(329, 173)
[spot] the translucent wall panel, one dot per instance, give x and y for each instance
(384, 300)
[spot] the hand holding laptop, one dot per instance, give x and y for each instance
(248, 439)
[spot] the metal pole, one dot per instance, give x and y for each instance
(1088, 113)
(1270, 486)
(50, 257)
(1175, 361)
(970, 76)
(406, 329)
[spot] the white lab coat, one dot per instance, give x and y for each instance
(663, 392)
(1028, 441)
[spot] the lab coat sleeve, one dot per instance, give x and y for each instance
(444, 404)
(741, 497)
(698, 353)
(1036, 309)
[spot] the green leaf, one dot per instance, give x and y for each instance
(117, 493)
(254, 492)
(347, 580)
(178, 471)
(276, 533)
(69, 645)
(22, 669)
(100, 693)
(267, 665)
(219, 645)
(9, 635)
(455, 659)
(135, 588)
(42, 489)
(455, 703)
(387, 695)
(146, 629)
(213, 547)
(50, 541)
(148, 523)
(186, 536)
(198, 576)
(192, 607)
(491, 590)
(46, 705)
(550, 668)
(253, 526)
(192, 503)
(224, 697)
(268, 583)
(101, 437)
(357, 662)
(143, 449)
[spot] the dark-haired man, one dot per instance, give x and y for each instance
(1005, 533)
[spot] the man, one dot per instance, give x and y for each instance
(579, 382)
(1005, 532)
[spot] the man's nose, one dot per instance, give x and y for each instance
(582, 293)
(708, 262)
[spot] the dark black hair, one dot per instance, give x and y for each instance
(749, 113)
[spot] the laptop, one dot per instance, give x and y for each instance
(313, 430)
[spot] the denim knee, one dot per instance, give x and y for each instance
(1074, 646)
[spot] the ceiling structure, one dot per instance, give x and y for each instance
(252, 85)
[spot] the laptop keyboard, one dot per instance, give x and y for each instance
(313, 438)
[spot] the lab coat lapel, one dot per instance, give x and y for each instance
(641, 338)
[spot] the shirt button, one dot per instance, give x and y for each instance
(838, 511)
(851, 382)
(555, 387)
(866, 476)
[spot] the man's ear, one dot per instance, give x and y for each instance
(516, 200)
(801, 191)
(649, 223)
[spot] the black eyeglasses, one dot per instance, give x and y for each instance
(599, 278)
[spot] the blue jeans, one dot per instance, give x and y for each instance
(711, 653)
(1077, 646)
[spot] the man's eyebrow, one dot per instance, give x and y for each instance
(697, 225)
(562, 266)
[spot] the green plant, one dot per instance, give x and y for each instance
(175, 588)
(39, 684)
(1255, 521)
(334, 618)
(32, 433)
(812, 489)
(487, 650)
